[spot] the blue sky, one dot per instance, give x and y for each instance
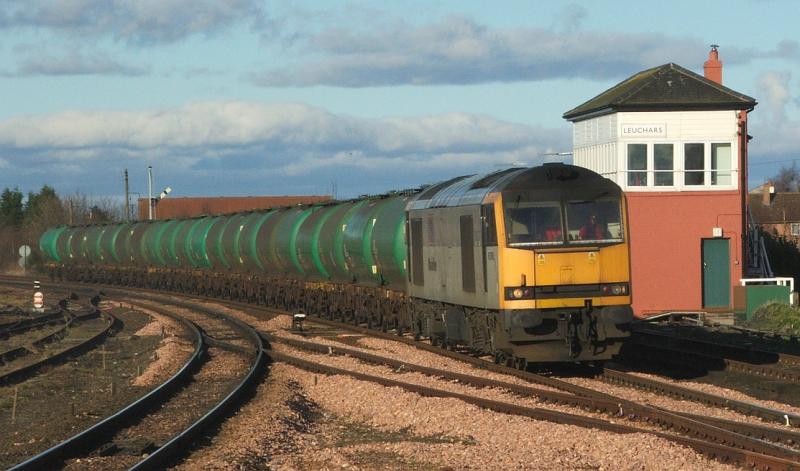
(245, 97)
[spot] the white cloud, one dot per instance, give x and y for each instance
(71, 62)
(244, 124)
(775, 93)
(460, 50)
(232, 146)
(130, 21)
(775, 127)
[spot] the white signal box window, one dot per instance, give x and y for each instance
(694, 164)
(637, 164)
(664, 164)
(721, 164)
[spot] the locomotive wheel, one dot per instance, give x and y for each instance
(499, 357)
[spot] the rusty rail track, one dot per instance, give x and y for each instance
(719, 432)
(745, 357)
(785, 459)
(716, 450)
(621, 377)
(92, 436)
(86, 344)
(176, 446)
(53, 315)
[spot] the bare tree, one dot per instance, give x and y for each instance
(787, 179)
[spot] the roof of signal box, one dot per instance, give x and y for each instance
(668, 87)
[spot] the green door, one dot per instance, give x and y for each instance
(716, 273)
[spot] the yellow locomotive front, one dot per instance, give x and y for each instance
(529, 265)
(564, 270)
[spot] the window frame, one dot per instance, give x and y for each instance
(679, 166)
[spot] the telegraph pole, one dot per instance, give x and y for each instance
(127, 198)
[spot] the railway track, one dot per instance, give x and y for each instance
(750, 357)
(745, 436)
(52, 315)
(216, 335)
(86, 440)
(21, 361)
(713, 437)
(706, 439)
(776, 416)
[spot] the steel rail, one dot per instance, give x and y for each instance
(68, 319)
(748, 353)
(23, 350)
(175, 446)
(95, 434)
(715, 450)
(466, 358)
(694, 426)
(741, 406)
(748, 408)
(90, 342)
(52, 317)
(712, 362)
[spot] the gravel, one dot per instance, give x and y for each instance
(673, 404)
(172, 353)
(724, 392)
(424, 432)
(481, 439)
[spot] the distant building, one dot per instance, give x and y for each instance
(776, 213)
(676, 142)
(169, 208)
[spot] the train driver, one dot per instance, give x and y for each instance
(593, 229)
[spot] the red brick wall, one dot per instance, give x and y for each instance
(666, 239)
(188, 207)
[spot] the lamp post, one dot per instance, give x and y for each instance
(155, 201)
(149, 192)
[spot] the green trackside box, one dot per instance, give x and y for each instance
(747, 299)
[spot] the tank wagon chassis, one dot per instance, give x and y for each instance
(500, 263)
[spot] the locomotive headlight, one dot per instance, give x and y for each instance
(617, 289)
(520, 292)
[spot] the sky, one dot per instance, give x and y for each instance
(256, 97)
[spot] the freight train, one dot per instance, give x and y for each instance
(529, 265)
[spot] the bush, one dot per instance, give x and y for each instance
(777, 318)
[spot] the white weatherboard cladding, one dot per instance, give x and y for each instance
(687, 125)
(600, 145)
(601, 158)
(599, 130)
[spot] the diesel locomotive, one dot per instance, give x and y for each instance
(529, 265)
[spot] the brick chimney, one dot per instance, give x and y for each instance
(767, 193)
(712, 68)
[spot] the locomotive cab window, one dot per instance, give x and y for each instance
(533, 222)
(596, 221)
